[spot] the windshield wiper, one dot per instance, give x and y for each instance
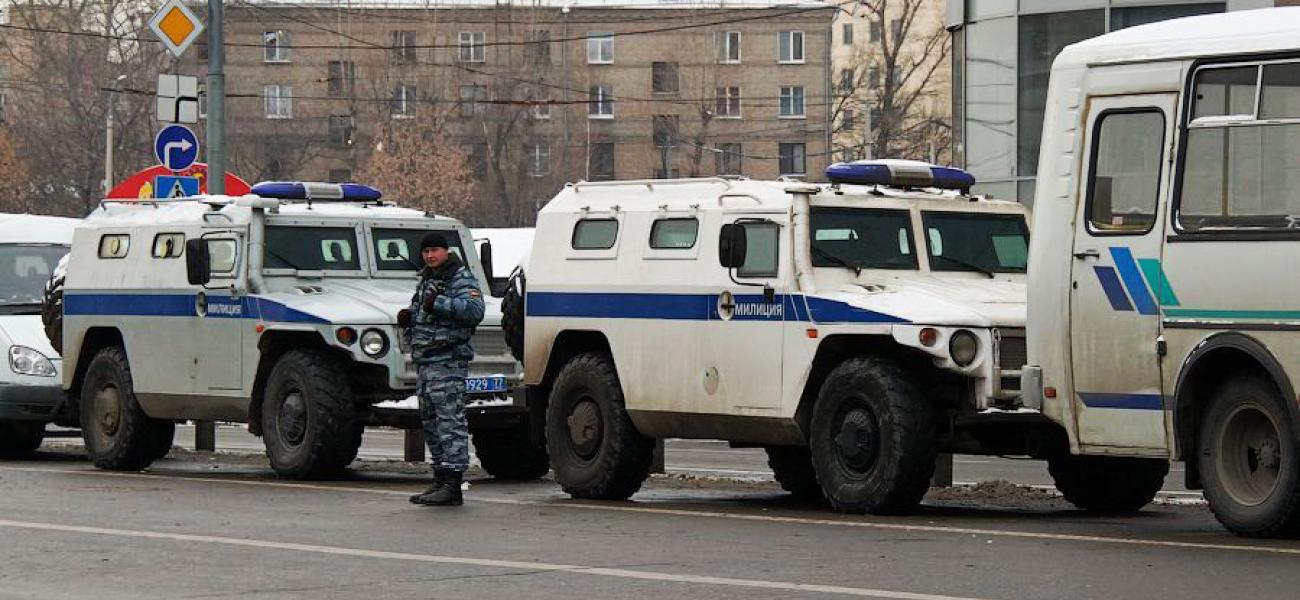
(284, 260)
(970, 265)
(20, 308)
(857, 268)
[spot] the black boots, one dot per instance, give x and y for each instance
(445, 490)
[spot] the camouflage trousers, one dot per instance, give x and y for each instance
(441, 389)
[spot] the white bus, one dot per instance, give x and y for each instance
(1164, 286)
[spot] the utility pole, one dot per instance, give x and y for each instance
(216, 99)
(108, 133)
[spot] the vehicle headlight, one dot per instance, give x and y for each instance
(374, 343)
(25, 361)
(963, 347)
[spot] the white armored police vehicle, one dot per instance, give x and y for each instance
(855, 330)
(1163, 319)
(277, 309)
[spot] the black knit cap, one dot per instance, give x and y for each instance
(433, 239)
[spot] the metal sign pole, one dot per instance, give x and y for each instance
(216, 99)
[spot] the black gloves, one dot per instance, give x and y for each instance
(404, 318)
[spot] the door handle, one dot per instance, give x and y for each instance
(1087, 253)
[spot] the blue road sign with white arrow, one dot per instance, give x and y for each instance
(176, 147)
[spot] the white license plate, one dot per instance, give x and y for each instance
(485, 385)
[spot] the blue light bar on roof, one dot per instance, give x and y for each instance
(310, 190)
(900, 173)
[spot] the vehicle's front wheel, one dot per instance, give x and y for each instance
(1108, 484)
(595, 449)
(20, 437)
(309, 423)
(118, 435)
(511, 454)
(792, 466)
(872, 438)
(1249, 460)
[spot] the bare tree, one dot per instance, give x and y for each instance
(897, 80)
(414, 165)
(15, 177)
(62, 86)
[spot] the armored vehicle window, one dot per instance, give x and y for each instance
(989, 243)
(763, 241)
(399, 249)
(1124, 185)
(674, 234)
(595, 234)
(24, 269)
(223, 254)
(114, 246)
(168, 245)
(312, 248)
(862, 238)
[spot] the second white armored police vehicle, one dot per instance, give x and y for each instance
(855, 330)
(277, 309)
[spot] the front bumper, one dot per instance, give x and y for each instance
(25, 402)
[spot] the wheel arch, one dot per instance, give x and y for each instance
(272, 345)
(1232, 352)
(94, 340)
(836, 349)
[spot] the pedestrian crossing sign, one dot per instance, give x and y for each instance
(175, 186)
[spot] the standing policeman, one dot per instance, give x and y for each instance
(445, 310)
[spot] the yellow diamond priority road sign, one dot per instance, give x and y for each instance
(176, 26)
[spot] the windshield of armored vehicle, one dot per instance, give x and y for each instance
(399, 249)
(985, 242)
(861, 238)
(24, 270)
(312, 248)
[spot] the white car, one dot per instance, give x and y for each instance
(31, 394)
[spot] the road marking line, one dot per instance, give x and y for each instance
(681, 512)
(728, 471)
(481, 562)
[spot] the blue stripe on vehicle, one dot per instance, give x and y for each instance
(1132, 278)
(182, 305)
(697, 307)
(1122, 401)
(1114, 290)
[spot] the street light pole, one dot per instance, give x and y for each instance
(108, 134)
(216, 134)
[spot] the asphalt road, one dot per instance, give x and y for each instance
(221, 526)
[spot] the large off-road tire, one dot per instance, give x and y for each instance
(20, 437)
(1108, 484)
(1249, 460)
(512, 313)
(872, 438)
(52, 306)
(310, 424)
(511, 454)
(118, 435)
(792, 466)
(595, 449)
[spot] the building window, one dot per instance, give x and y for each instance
(600, 47)
(846, 37)
(728, 159)
(600, 104)
(403, 104)
(1042, 37)
(542, 110)
(877, 31)
(340, 175)
(874, 117)
(472, 47)
(792, 101)
(896, 28)
(665, 130)
(275, 46)
(849, 119)
(790, 47)
(279, 101)
(539, 48)
(476, 156)
(728, 103)
(728, 43)
(1124, 17)
(472, 98)
(663, 77)
(403, 47)
(342, 78)
(600, 164)
(342, 129)
(539, 159)
(846, 80)
(791, 159)
(873, 77)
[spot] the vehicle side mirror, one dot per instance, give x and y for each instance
(485, 258)
(198, 262)
(732, 246)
